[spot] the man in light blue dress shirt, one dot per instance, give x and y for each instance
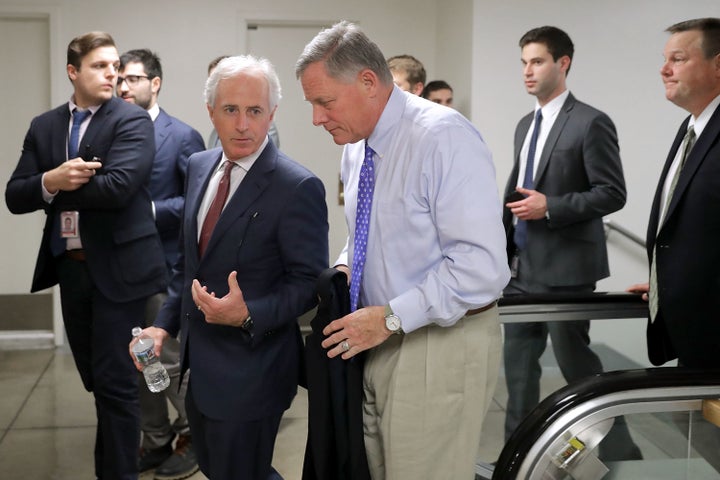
(435, 261)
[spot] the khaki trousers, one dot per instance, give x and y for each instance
(426, 395)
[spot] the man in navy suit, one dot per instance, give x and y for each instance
(240, 285)
(140, 82)
(94, 172)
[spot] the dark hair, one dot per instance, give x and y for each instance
(557, 42)
(435, 85)
(345, 51)
(710, 28)
(412, 67)
(213, 63)
(86, 43)
(150, 61)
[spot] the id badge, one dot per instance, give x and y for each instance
(69, 224)
(514, 265)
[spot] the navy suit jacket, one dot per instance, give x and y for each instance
(274, 233)
(580, 173)
(118, 233)
(687, 326)
(175, 141)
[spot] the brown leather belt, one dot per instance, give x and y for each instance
(481, 309)
(78, 255)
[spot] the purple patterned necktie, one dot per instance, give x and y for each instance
(366, 186)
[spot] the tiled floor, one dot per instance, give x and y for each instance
(47, 422)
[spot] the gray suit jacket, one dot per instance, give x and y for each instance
(580, 173)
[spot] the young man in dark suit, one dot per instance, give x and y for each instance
(567, 175)
(254, 240)
(89, 161)
(140, 82)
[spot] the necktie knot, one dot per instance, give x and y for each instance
(79, 116)
(538, 115)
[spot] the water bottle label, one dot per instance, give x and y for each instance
(146, 356)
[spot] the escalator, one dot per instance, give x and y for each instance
(561, 438)
(566, 436)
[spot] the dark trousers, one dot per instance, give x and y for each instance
(99, 331)
(524, 345)
(231, 449)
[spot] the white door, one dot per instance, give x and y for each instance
(311, 146)
(24, 93)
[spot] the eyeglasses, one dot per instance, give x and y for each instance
(131, 80)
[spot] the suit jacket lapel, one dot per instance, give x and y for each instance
(694, 159)
(162, 128)
(520, 135)
(197, 185)
(552, 138)
(60, 135)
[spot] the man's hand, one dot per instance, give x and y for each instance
(158, 335)
(643, 288)
(345, 269)
(229, 310)
(363, 329)
(70, 175)
(532, 207)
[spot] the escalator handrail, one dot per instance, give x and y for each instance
(553, 298)
(572, 396)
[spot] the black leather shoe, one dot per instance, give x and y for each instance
(153, 458)
(181, 464)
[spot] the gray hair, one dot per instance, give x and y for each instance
(345, 51)
(232, 66)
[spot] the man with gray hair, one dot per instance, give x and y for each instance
(254, 240)
(427, 254)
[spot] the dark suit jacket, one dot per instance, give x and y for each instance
(175, 141)
(117, 229)
(579, 171)
(274, 233)
(335, 448)
(688, 256)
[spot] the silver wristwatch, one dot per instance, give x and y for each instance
(392, 321)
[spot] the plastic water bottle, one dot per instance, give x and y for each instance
(156, 376)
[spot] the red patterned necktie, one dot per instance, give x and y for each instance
(216, 208)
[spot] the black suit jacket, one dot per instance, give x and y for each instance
(274, 233)
(580, 173)
(117, 229)
(335, 447)
(688, 256)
